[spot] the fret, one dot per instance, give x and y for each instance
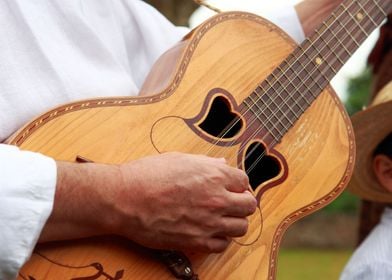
(285, 78)
(252, 109)
(383, 14)
(288, 110)
(323, 39)
(255, 104)
(297, 106)
(270, 84)
(331, 43)
(330, 66)
(278, 98)
(277, 124)
(259, 90)
(350, 41)
(290, 99)
(246, 103)
(325, 57)
(277, 82)
(381, 9)
(265, 97)
(315, 62)
(315, 87)
(345, 30)
(363, 30)
(379, 13)
(263, 109)
(313, 52)
(321, 85)
(294, 100)
(311, 75)
(387, 6)
(305, 68)
(255, 113)
(279, 120)
(362, 9)
(290, 89)
(283, 67)
(272, 119)
(340, 42)
(273, 129)
(370, 22)
(256, 94)
(276, 133)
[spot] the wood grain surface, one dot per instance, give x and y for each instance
(232, 51)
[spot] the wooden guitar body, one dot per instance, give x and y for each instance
(222, 60)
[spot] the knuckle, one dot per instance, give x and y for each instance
(209, 247)
(224, 225)
(217, 203)
(244, 179)
(252, 205)
(243, 229)
(200, 244)
(211, 225)
(217, 245)
(244, 182)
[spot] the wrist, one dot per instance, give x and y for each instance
(83, 199)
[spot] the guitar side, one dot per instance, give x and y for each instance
(233, 52)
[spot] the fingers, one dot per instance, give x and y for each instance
(240, 204)
(217, 244)
(238, 181)
(235, 179)
(232, 227)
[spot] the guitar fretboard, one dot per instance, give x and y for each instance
(282, 97)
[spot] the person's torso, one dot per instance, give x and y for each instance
(54, 52)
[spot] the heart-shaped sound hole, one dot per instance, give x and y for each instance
(221, 121)
(260, 166)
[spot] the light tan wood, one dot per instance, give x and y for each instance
(233, 51)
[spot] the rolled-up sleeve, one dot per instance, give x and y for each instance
(27, 187)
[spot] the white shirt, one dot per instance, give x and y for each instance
(53, 52)
(373, 258)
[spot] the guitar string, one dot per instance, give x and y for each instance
(317, 69)
(284, 100)
(250, 169)
(345, 9)
(227, 129)
(274, 142)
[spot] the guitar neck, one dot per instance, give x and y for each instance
(282, 97)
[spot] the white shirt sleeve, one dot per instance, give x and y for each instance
(377, 270)
(27, 185)
(287, 19)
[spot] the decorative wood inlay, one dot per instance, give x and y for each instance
(316, 130)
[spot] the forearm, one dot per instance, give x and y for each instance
(82, 201)
(313, 12)
(159, 201)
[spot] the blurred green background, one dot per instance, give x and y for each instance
(318, 246)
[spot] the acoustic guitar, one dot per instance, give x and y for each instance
(236, 87)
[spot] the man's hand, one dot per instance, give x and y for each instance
(173, 200)
(184, 201)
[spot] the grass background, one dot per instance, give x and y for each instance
(304, 264)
